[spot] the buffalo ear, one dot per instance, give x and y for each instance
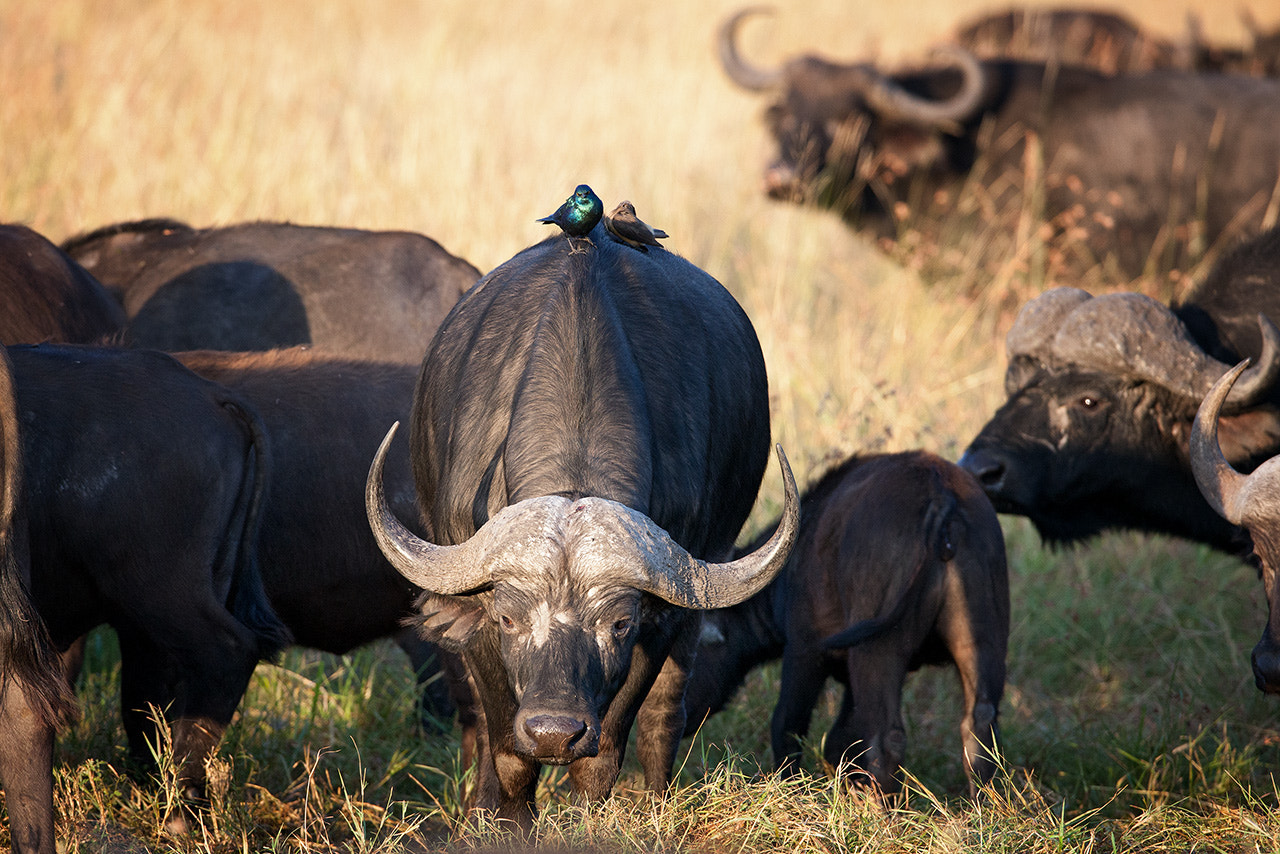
(448, 621)
(1252, 435)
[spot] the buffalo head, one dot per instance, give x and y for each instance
(561, 591)
(1094, 434)
(1252, 501)
(846, 132)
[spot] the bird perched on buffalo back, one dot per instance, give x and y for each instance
(625, 227)
(579, 213)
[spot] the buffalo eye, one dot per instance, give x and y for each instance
(621, 626)
(1088, 401)
(508, 624)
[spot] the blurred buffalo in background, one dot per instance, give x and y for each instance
(1096, 175)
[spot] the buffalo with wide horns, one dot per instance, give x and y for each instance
(1130, 172)
(589, 432)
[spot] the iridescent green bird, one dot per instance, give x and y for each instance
(579, 213)
(625, 227)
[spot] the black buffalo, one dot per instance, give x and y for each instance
(46, 296)
(34, 698)
(589, 431)
(1129, 173)
(900, 563)
(261, 285)
(143, 484)
(322, 569)
(1251, 501)
(1102, 395)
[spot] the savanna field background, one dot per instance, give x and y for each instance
(1130, 720)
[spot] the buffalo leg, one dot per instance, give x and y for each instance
(803, 676)
(26, 772)
(869, 733)
(980, 662)
(662, 715)
(196, 687)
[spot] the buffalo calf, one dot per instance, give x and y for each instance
(900, 563)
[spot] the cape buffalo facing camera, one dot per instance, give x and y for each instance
(262, 285)
(588, 435)
(900, 563)
(1130, 173)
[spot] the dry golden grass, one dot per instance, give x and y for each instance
(468, 120)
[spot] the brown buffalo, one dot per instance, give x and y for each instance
(261, 285)
(900, 563)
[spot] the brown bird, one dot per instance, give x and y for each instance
(625, 227)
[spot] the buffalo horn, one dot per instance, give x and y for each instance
(407, 552)
(1132, 335)
(746, 76)
(681, 579)
(893, 102)
(1221, 485)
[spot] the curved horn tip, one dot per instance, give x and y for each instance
(1266, 372)
(791, 498)
(1218, 481)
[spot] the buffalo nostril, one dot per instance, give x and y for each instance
(1266, 669)
(988, 470)
(554, 735)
